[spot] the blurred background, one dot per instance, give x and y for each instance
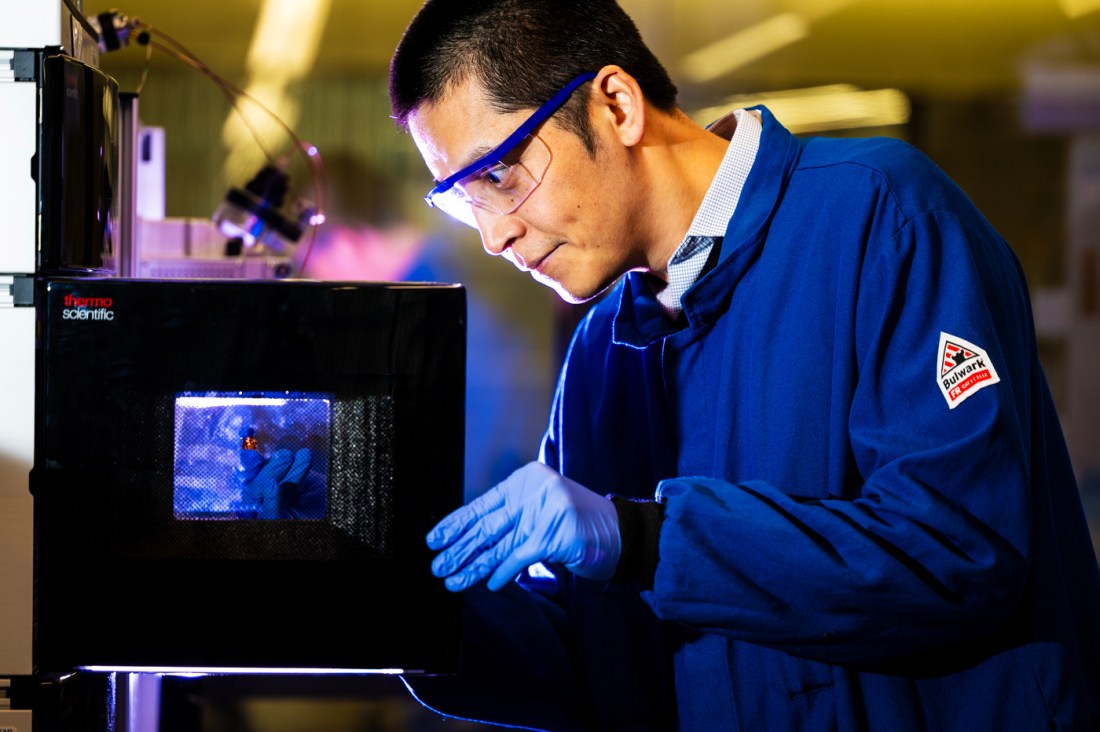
(1005, 96)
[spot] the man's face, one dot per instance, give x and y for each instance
(577, 231)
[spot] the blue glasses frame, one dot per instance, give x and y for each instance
(537, 117)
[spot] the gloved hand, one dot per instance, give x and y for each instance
(535, 515)
(261, 479)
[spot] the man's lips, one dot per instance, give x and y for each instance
(527, 264)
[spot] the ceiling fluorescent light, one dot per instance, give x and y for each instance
(744, 47)
(823, 108)
(283, 49)
(1077, 8)
(287, 37)
(243, 139)
(815, 10)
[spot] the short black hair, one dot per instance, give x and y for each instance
(522, 52)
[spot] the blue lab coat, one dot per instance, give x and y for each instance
(840, 548)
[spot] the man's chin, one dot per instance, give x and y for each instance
(571, 295)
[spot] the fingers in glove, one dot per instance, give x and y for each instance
(299, 467)
(479, 567)
(277, 465)
(488, 531)
(250, 464)
(459, 522)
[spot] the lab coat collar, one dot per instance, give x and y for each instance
(640, 320)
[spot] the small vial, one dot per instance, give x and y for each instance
(249, 440)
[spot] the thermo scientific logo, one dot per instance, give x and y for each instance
(87, 308)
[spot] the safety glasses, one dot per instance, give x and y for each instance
(503, 179)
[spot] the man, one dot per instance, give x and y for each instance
(802, 458)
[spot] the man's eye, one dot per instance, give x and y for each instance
(496, 176)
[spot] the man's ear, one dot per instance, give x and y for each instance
(620, 104)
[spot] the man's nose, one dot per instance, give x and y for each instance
(498, 231)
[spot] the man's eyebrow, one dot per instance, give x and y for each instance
(476, 154)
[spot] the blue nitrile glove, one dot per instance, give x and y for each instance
(261, 479)
(535, 515)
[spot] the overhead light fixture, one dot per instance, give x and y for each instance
(287, 36)
(822, 108)
(1078, 8)
(744, 47)
(283, 49)
(757, 41)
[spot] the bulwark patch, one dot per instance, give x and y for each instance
(964, 369)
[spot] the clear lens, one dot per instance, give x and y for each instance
(455, 204)
(499, 188)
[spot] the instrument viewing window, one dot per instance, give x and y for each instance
(255, 456)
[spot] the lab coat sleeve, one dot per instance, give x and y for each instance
(932, 549)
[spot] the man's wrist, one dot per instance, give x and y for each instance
(640, 533)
